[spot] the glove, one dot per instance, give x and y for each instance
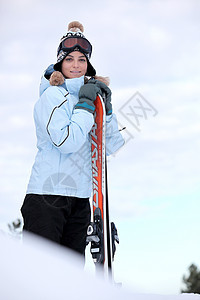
(104, 91)
(87, 95)
(49, 71)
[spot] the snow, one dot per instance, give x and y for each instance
(38, 269)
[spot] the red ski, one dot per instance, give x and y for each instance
(101, 233)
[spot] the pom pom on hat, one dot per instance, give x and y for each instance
(75, 26)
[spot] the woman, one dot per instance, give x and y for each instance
(57, 205)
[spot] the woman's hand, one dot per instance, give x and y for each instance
(87, 95)
(104, 90)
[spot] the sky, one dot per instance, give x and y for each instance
(151, 52)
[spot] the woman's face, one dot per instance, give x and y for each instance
(74, 65)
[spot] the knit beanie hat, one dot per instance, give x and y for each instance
(74, 40)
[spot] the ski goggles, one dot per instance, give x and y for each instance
(70, 43)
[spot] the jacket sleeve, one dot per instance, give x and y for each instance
(55, 120)
(114, 139)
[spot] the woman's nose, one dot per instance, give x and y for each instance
(75, 65)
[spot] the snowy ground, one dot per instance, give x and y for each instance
(37, 269)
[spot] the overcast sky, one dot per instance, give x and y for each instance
(151, 52)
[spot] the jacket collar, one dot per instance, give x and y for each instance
(73, 85)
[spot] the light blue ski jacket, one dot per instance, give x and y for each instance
(63, 162)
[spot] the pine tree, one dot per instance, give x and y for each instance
(192, 282)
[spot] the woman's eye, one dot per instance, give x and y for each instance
(68, 59)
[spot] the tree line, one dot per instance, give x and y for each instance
(192, 281)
